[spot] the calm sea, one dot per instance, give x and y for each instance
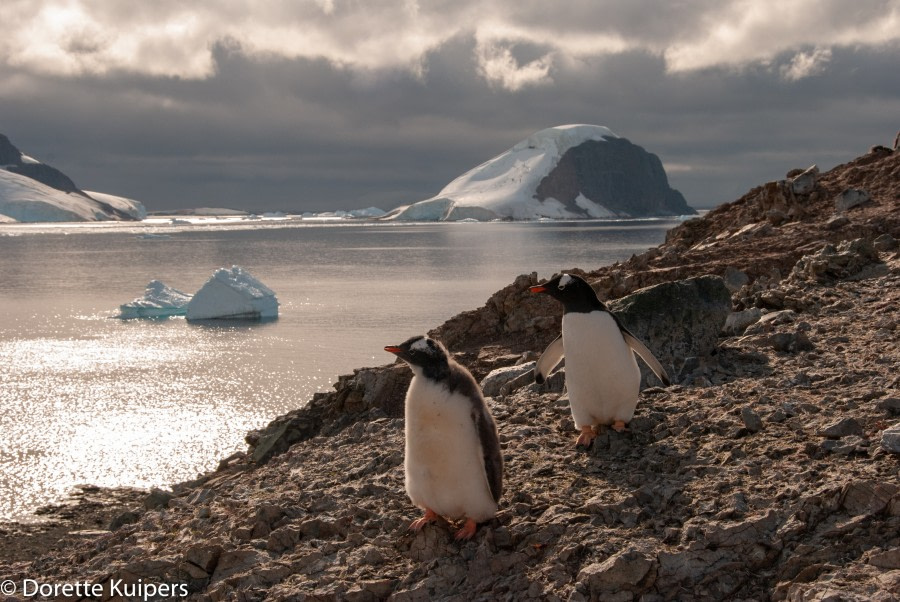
(88, 398)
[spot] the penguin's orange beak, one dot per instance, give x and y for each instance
(393, 349)
(538, 288)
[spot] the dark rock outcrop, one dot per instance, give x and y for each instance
(619, 175)
(676, 320)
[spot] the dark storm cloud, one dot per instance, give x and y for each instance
(324, 106)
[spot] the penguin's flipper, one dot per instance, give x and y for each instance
(646, 355)
(551, 357)
(490, 450)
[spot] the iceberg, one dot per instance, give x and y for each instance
(233, 294)
(159, 301)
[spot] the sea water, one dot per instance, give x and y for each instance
(86, 398)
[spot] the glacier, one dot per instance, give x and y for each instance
(233, 294)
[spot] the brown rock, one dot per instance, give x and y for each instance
(866, 497)
(633, 570)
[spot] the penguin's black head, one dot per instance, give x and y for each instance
(572, 291)
(425, 353)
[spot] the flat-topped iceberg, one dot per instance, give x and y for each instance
(233, 294)
(159, 301)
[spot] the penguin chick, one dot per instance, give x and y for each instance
(602, 375)
(453, 463)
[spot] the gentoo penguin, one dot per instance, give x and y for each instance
(453, 464)
(602, 375)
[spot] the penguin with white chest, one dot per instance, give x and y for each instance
(453, 463)
(602, 375)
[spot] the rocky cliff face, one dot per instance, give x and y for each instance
(767, 472)
(615, 174)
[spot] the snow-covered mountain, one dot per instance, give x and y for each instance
(564, 172)
(31, 191)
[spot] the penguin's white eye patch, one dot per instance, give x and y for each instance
(420, 345)
(564, 281)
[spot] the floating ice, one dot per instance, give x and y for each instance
(233, 294)
(159, 301)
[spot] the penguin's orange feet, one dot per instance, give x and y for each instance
(619, 426)
(417, 524)
(586, 437)
(467, 531)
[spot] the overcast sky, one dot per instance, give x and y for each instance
(327, 104)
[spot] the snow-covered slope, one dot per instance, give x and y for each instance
(27, 200)
(31, 191)
(130, 207)
(509, 185)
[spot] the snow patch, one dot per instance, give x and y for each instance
(593, 209)
(233, 294)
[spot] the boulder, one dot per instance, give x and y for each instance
(805, 182)
(890, 439)
(492, 384)
(842, 428)
(738, 321)
(676, 320)
(884, 243)
(632, 570)
(735, 279)
(852, 197)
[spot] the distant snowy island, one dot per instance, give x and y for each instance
(564, 172)
(31, 191)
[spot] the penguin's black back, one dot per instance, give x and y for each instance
(459, 380)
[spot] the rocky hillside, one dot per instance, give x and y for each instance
(768, 472)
